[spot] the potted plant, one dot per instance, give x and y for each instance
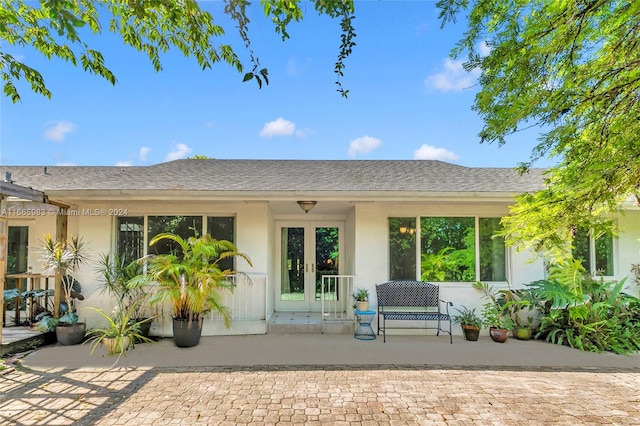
(116, 277)
(63, 257)
(361, 298)
(494, 314)
(119, 333)
(469, 321)
(190, 282)
(517, 303)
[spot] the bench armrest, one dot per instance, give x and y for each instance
(446, 304)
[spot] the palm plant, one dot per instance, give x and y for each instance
(64, 257)
(191, 281)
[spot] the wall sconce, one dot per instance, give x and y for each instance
(404, 230)
(307, 206)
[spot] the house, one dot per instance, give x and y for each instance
(357, 223)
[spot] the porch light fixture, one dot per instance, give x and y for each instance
(404, 230)
(307, 206)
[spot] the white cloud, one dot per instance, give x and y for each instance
(144, 153)
(68, 163)
(483, 48)
(57, 130)
(180, 151)
(363, 145)
(452, 78)
(428, 152)
(278, 127)
(124, 164)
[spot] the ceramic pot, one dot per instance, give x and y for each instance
(522, 333)
(499, 335)
(362, 306)
(70, 334)
(116, 345)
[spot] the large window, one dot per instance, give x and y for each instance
(131, 233)
(451, 249)
(595, 254)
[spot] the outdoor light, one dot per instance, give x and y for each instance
(307, 206)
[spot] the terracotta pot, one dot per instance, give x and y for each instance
(471, 332)
(186, 333)
(499, 335)
(70, 334)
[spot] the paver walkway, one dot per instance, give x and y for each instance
(604, 389)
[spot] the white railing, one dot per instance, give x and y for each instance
(336, 297)
(249, 298)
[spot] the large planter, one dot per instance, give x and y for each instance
(116, 345)
(499, 335)
(471, 332)
(70, 334)
(186, 333)
(522, 333)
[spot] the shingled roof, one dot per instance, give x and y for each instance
(363, 176)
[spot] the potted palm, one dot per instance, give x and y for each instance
(469, 321)
(361, 298)
(190, 282)
(116, 275)
(63, 257)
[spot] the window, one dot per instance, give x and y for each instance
(222, 228)
(492, 251)
(595, 254)
(131, 232)
(402, 248)
(452, 249)
(184, 226)
(448, 250)
(130, 238)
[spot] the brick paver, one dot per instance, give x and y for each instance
(336, 395)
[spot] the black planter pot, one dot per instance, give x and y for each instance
(186, 333)
(70, 334)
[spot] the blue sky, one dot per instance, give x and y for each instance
(407, 100)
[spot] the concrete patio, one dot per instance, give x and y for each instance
(333, 349)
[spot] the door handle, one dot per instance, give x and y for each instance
(313, 267)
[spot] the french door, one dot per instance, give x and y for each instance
(306, 252)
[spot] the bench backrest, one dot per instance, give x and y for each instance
(408, 293)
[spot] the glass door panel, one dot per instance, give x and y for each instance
(307, 252)
(327, 248)
(292, 268)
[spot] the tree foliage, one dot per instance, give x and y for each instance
(573, 69)
(60, 29)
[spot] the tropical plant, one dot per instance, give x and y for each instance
(466, 316)
(587, 314)
(116, 277)
(121, 328)
(495, 312)
(191, 282)
(63, 257)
